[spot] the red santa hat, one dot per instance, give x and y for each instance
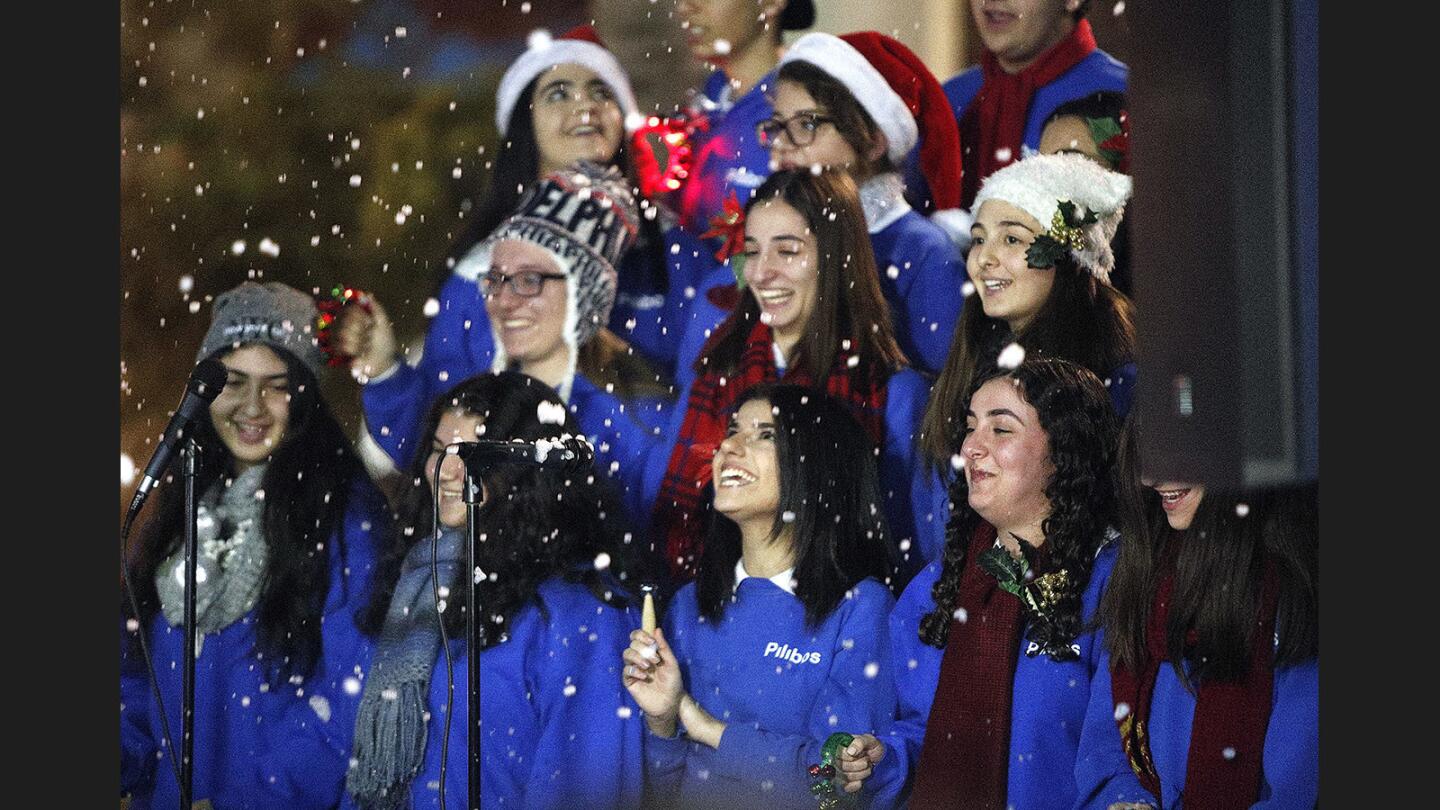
(580, 45)
(904, 98)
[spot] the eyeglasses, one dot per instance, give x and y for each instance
(799, 128)
(526, 284)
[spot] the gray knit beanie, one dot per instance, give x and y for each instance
(272, 314)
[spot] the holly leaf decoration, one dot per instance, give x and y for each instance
(1008, 571)
(1044, 251)
(1074, 220)
(737, 266)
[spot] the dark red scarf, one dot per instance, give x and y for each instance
(678, 513)
(1230, 716)
(965, 759)
(995, 119)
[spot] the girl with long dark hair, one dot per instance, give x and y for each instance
(811, 313)
(1039, 265)
(992, 655)
(1208, 695)
(286, 527)
(781, 639)
(862, 102)
(556, 595)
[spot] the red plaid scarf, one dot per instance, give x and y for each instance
(1227, 736)
(679, 513)
(995, 119)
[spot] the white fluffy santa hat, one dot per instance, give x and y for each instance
(1039, 183)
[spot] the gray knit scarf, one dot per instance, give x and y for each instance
(230, 564)
(390, 722)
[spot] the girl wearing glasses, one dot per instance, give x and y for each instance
(811, 314)
(782, 638)
(548, 287)
(860, 102)
(562, 101)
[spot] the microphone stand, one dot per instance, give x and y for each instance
(472, 629)
(188, 451)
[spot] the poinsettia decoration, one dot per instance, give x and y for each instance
(1112, 140)
(1066, 233)
(729, 227)
(330, 308)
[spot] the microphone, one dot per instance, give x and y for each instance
(204, 385)
(570, 454)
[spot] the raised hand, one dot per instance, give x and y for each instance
(857, 761)
(368, 337)
(652, 675)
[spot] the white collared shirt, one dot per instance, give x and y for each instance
(785, 580)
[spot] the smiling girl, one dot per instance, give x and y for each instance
(781, 640)
(811, 314)
(287, 522)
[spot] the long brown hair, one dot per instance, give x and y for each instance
(1219, 567)
(1085, 321)
(849, 305)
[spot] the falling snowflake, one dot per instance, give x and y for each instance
(354, 181)
(623, 712)
(1119, 8)
(722, 46)
(269, 248)
(400, 31)
(550, 413)
(1122, 711)
(1003, 154)
(872, 669)
(1011, 356)
(127, 470)
(237, 247)
(351, 685)
(957, 462)
(1242, 509)
(602, 561)
(787, 516)
(967, 289)
(569, 690)
(1228, 753)
(892, 271)
(961, 615)
(539, 38)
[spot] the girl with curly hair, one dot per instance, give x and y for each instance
(1208, 692)
(781, 640)
(556, 601)
(992, 656)
(286, 528)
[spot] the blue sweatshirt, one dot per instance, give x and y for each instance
(921, 275)
(254, 741)
(728, 157)
(780, 686)
(1291, 761)
(1048, 702)
(558, 729)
